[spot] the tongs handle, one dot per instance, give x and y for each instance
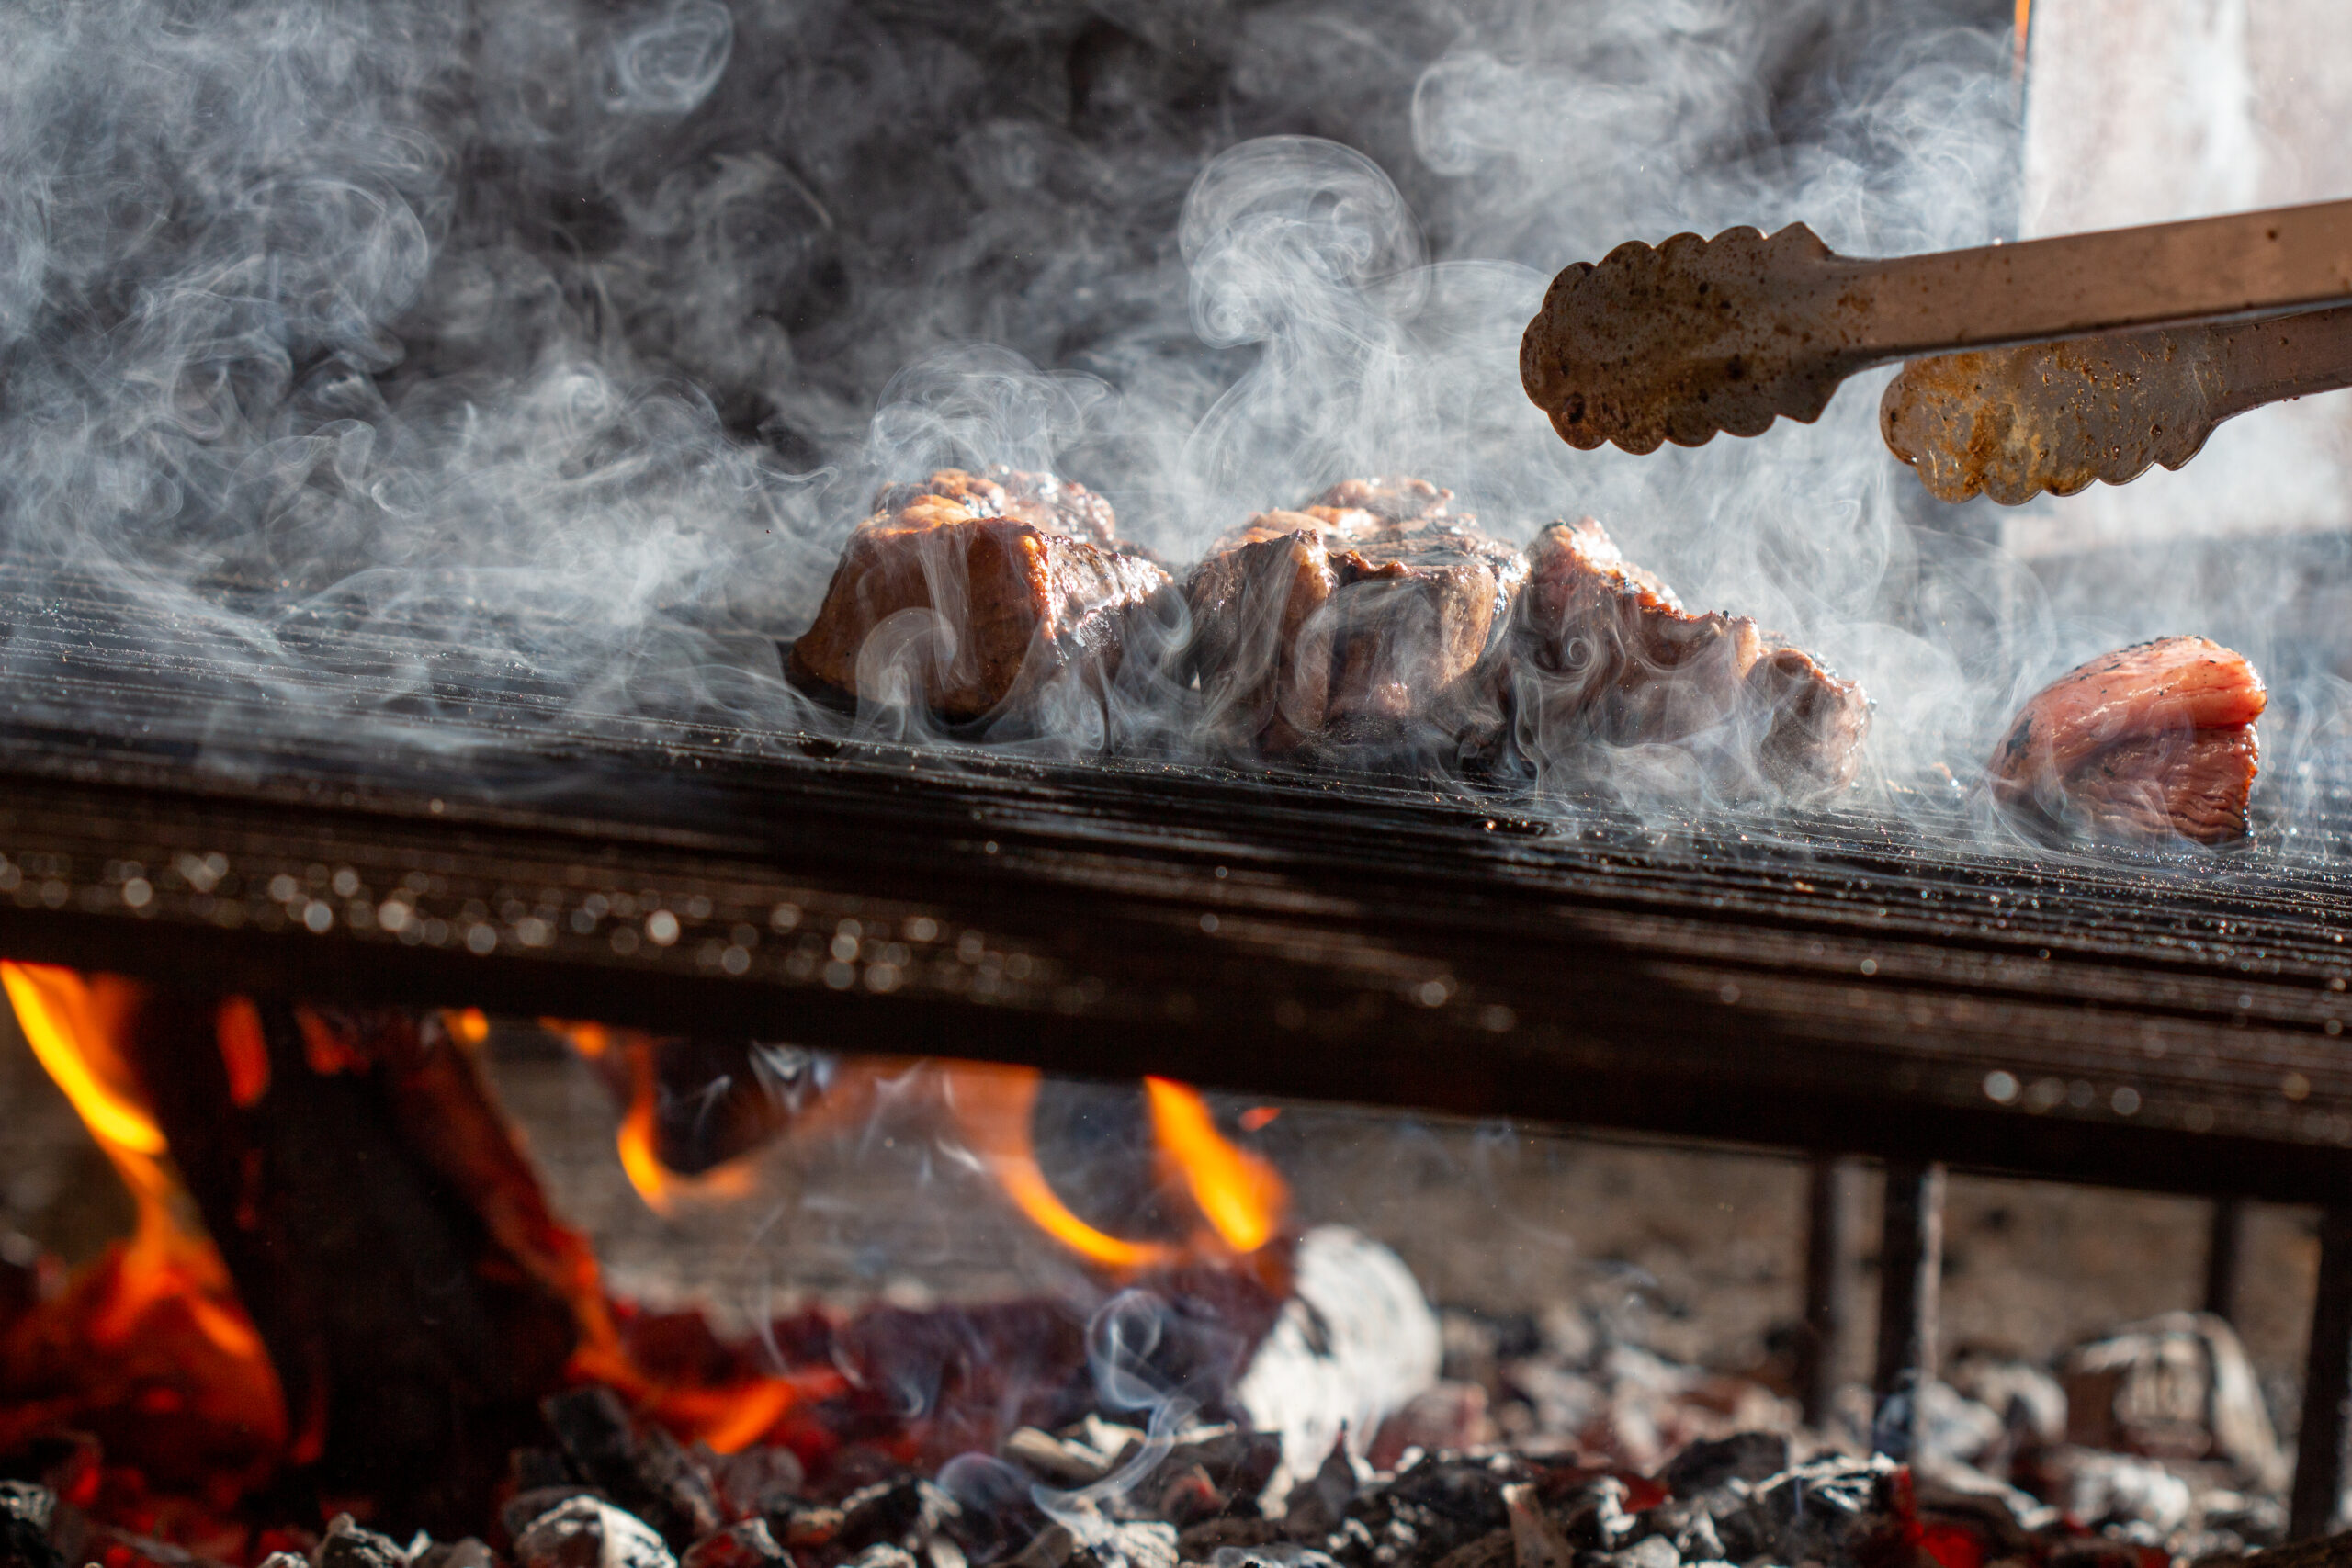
(1677, 342)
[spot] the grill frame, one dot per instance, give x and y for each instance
(1829, 985)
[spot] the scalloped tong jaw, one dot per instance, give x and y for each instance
(1677, 340)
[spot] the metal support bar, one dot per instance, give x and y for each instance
(2327, 1384)
(1821, 1338)
(1910, 1281)
(2222, 1243)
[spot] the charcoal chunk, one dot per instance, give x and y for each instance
(746, 1545)
(467, 1552)
(525, 1507)
(586, 1532)
(905, 1512)
(1655, 1551)
(26, 1511)
(1709, 1462)
(646, 1472)
(347, 1545)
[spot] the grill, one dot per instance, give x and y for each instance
(1834, 983)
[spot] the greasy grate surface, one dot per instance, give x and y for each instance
(496, 836)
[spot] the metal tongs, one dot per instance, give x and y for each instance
(2039, 366)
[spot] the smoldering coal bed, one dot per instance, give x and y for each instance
(885, 1311)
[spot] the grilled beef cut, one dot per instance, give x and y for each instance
(2151, 741)
(982, 588)
(1372, 616)
(1609, 662)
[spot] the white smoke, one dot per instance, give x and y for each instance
(580, 333)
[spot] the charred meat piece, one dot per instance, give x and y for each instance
(2151, 741)
(974, 590)
(1372, 616)
(1611, 660)
(1806, 725)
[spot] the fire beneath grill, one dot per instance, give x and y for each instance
(262, 1361)
(339, 1157)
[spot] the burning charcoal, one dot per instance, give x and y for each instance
(1232, 1463)
(1709, 1462)
(1809, 1511)
(525, 1507)
(1449, 1416)
(1496, 1549)
(587, 1532)
(2153, 742)
(346, 1545)
(1447, 1501)
(2177, 1386)
(800, 1524)
(2252, 1521)
(1611, 670)
(752, 1480)
(647, 1473)
(745, 1545)
(1652, 1552)
(1056, 1458)
(976, 591)
(2101, 1489)
(1595, 1517)
(1239, 1532)
(1372, 615)
(1999, 1517)
(466, 1553)
(1050, 1547)
(1184, 1495)
(1101, 1543)
(905, 1512)
(26, 1511)
(1536, 1542)
(882, 1554)
(1689, 1524)
(1318, 1504)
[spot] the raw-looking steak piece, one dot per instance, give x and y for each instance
(1374, 616)
(982, 586)
(1609, 661)
(2151, 741)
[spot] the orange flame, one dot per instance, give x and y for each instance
(993, 1106)
(1240, 1195)
(664, 1190)
(157, 1319)
(1238, 1192)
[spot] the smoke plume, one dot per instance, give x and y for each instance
(579, 333)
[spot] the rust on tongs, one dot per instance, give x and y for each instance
(1677, 342)
(2012, 422)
